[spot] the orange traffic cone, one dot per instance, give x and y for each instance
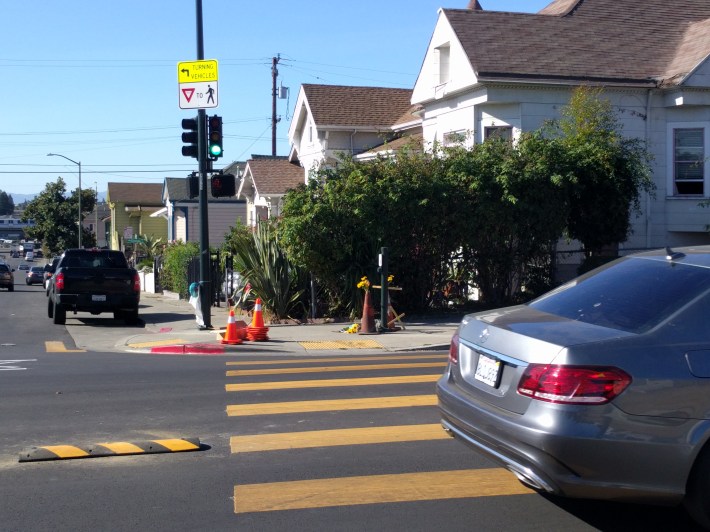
(256, 332)
(230, 335)
(367, 324)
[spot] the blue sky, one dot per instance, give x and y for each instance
(97, 81)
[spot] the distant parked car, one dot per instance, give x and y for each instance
(35, 275)
(23, 267)
(598, 389)
(7, 280)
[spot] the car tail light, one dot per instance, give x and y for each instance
(136, 282)
(59, 282)
(454, 349)
(573, 384)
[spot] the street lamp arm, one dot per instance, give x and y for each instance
(64, 156)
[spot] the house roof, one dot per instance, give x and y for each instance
(348, 106)
(624, 41)
(149, 194)
(274, 175)
(414, 141)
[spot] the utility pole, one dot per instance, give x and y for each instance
(274, 118)
(205, 283)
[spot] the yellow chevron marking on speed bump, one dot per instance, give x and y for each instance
(59, 347)
(336, 437)
(376, 489)
(331, 369)
(59, 452)
(354, 358)
(341, 344)
(330, 383)
(292, 407)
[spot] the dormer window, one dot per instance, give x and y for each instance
(444, 53)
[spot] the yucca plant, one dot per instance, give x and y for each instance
(272, 276)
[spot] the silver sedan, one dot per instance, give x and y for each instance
(598, 389)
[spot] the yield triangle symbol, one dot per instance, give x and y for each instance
(188, 93)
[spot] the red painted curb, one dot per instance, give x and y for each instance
(188, 349)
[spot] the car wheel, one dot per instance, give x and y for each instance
(60, 315)
(50, 307)
(11, 288)
(131, 317)
(697, 491)
(27, 282)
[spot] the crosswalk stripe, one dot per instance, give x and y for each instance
(376, 489)
(331, 369)
(336, 437)
(59, 347)
(329, 383)
(354, 358)
(291, 407)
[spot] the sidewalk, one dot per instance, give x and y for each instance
(170, 327)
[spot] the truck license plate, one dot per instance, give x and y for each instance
(487, 370)
(98, 298)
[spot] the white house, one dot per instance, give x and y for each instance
(330, 120)
(502, 73)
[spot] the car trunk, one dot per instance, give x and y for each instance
(496, 348)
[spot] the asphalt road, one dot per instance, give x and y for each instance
(287, 444)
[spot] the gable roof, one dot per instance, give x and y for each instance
(149, 194)
(273, 175)
(347, 106)
(633, 42)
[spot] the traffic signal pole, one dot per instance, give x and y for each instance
(205, 283)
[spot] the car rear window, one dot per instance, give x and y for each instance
(4, 268)
(95, 259)
(632, 295)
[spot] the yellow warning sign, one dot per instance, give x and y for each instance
(197, 71)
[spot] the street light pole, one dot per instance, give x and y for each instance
(96, 206)
(79, 165)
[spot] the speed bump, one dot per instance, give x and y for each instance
(64, 452)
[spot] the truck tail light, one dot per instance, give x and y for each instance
(136, 282)
(573, 384)
(454, 349)
(59, 282)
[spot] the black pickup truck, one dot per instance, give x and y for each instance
(95, 281)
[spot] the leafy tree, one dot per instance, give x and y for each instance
(515, 209)
(56, 217)
(336, 224)
(605, 172)
(7, 205)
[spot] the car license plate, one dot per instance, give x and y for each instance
(98, 298)
(487, 370)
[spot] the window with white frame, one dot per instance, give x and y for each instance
(444, 53)
(689, 151)
(454, 138)
(498, 132)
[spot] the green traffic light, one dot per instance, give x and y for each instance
(215, 150)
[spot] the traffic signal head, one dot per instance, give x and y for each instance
(193, 185)
(223, 185)
(214, 136)
(190, 137)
